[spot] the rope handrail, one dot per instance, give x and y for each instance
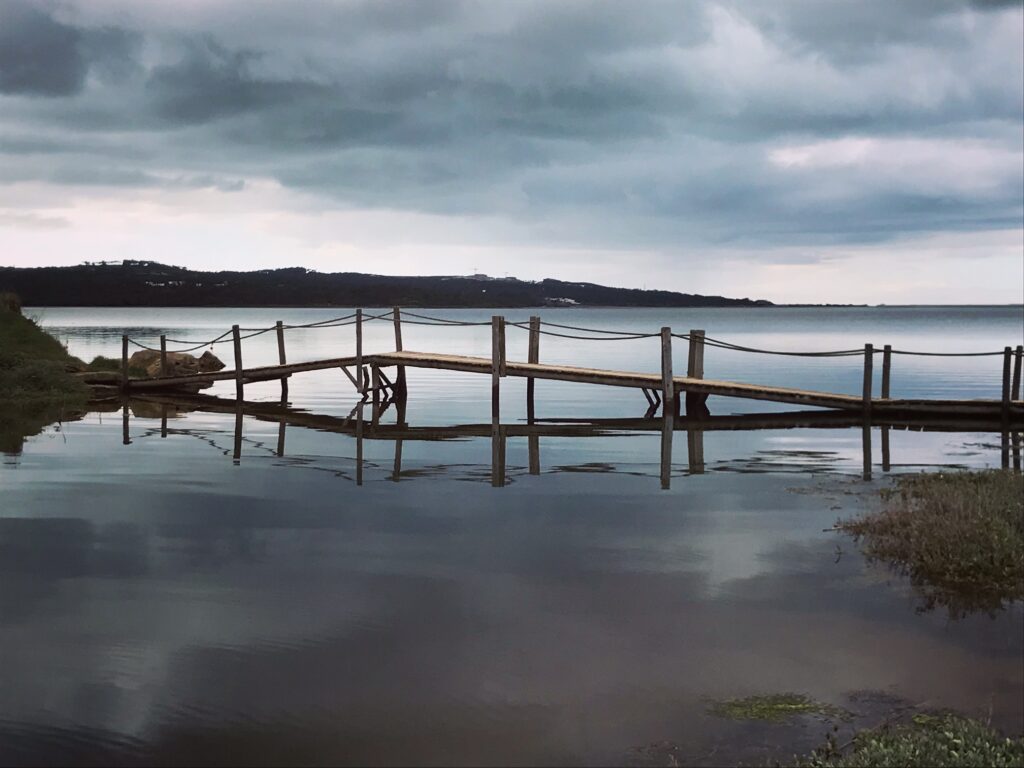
(603, 334)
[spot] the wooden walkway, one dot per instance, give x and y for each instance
(663, 389)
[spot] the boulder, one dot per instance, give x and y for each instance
(178, 363)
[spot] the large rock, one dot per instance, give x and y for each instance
(178, 363)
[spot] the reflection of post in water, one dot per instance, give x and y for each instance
(397, 472)
(124, 424)
(163, 420)
(886, 464)
(499, 438)
(359, 442)
(1004, 452)
(533, 442)
(866, 446)
(1016, 451)
(695, 450)
(237, 455)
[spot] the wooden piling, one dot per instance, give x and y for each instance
(360, 375)
(695, 403)
(375, 385)
(869, 355)
(532, 356)
(1015, 387)
(866, 446)
(239, 385)
(886, 458)
(163, 420)
(400, 376)
(501, 347)
(533, 448)
(163, 355)
(282, 358)
(886, 370)
(668, 417)
(124, 363)
(695, 450)
(125, 436)
(282, 425)
(1007, 362)
(396, 472)
(496, 339)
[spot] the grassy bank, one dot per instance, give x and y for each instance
(37, 386)
(959, 536)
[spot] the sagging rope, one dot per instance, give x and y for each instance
(605, 335)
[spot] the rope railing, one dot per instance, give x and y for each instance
(583, 334)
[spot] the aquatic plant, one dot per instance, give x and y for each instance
(959, 536)
(776, 708)
(935, 741)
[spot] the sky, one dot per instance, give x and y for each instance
(796, 150)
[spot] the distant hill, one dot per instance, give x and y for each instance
(148, 284)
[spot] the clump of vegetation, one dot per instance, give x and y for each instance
(37, 386)
(932, 741)
(113, 365)
(776, 708)
(959, 536)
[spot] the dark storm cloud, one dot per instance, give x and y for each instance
(633, 124)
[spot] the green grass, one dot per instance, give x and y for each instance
(959, 537)
(37, 387)
(932, 741)
(775, 708)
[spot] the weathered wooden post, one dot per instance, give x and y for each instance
(869, 355)
(532, 357)
(497, 353)
(668, 416)
(163, 355)
(695, 402)
(282, 359)
(886, 380)
(360, 375)
(1018, 356)
(282, 426)
(695, 450)
(239, 386)
(886, 370)
(125, 437)
(163, 420)
(124, 363)
(1007, 361)
(399, 387)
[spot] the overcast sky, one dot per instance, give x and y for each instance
(796, 151)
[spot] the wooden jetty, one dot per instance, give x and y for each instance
(660, 388)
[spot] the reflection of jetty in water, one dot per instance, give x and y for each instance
(364, 423)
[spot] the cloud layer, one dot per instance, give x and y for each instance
(668, 135)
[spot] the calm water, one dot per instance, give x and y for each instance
(161, 601)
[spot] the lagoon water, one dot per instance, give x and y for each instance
(162, 602)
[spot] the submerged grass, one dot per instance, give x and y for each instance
(959, 537)
(933, 741)
(775, 708)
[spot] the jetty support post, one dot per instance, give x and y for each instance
(1007, 362)
(359, 443)
(163, 355)
(886, 381)
(695, 450)
(399, 388)
(696, 403)
(239, 385)
(360, 383)
(124, 363)
(282, 359)
(1018, 356)
(667, 410)
(375, 386)
(125, 436)
(869, 355)
(163, 420)
(497, 365)
(533, 356)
